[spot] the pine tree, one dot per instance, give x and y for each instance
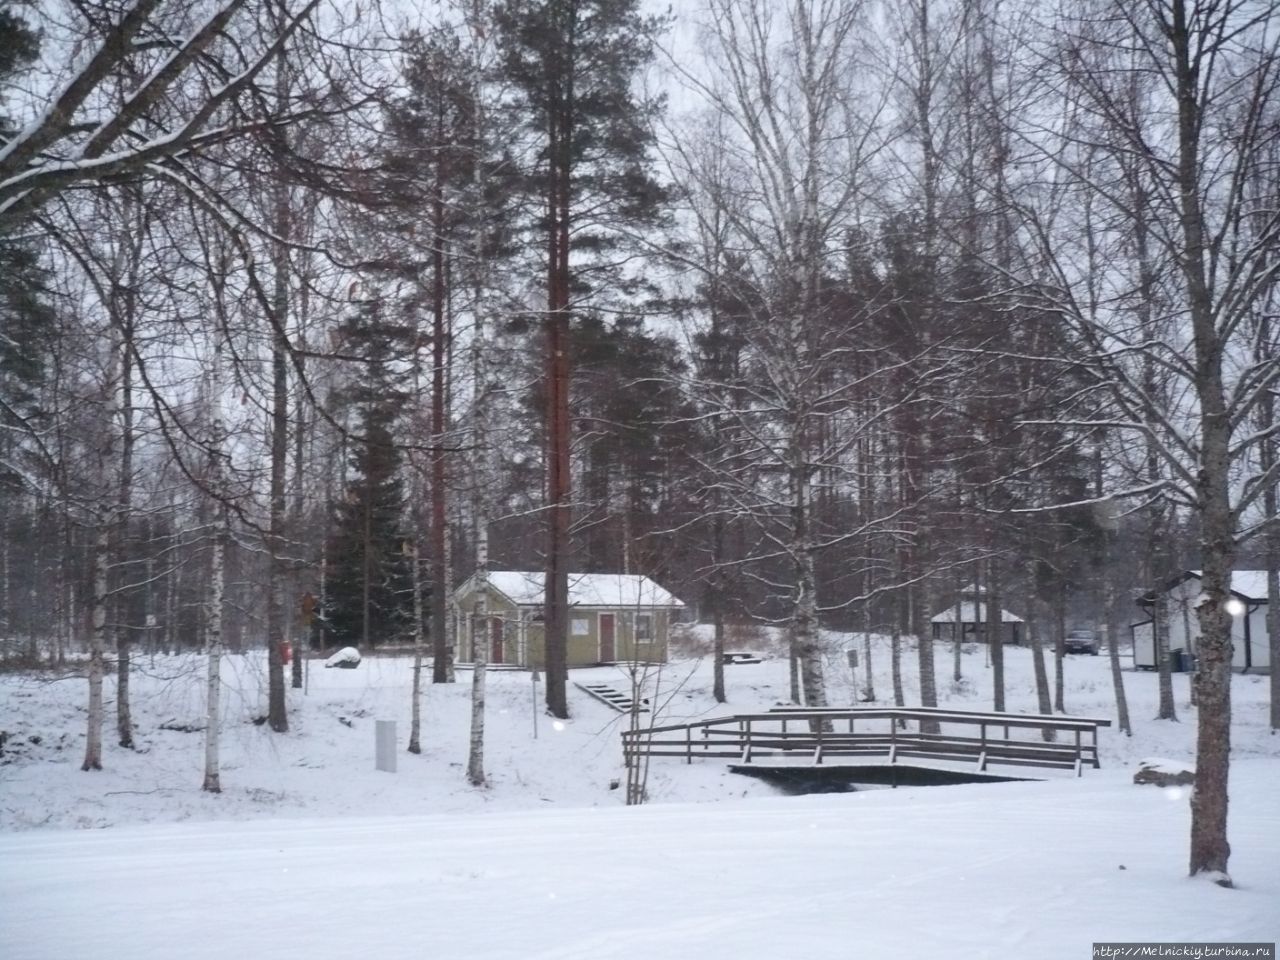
(572, 65)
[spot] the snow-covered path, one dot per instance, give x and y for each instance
(1028, 869)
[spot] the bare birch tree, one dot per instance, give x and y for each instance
(1209, 124)
(795, 149)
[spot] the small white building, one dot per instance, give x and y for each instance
(969, 619)
(1250, 647)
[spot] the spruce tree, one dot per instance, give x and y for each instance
(26, 319)
(369, 596)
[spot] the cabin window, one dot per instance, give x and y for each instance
(580, 627)
(644, 628)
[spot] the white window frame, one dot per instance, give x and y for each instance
(649, 619)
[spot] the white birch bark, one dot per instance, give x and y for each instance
(1111, 616)
(104, 520)
(97, 643)
(218, 561)
(482, 459)
(213, 639)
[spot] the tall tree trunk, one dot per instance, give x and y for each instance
(717, 655)
(1059, 651)
(804, 617)
(868, 671)
(301, 434)
(995, 636)
(120, 537)
(277, 717)
(481, 491)
(1271, 539)
(277, 575)
(97, 643)
(1164, 665)
(213, 641)
(556, 614)
(451, 621)
(441, 669)
(717, 601)
(479, 617)
(895, 653)
(924, 656)
(1035, 636)
(1034, 624)
(957, 645)
(419, 649)
(1110, 614)
(1210, 850)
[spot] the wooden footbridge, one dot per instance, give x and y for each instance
(891, 734)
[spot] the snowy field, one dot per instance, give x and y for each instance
(310, 852)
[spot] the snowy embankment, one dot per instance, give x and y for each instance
(310, 852)
(325, 765)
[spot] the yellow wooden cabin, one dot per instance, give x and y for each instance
(612, 618)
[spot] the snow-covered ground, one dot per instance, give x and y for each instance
(310, 852)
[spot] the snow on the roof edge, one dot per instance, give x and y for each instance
(1247, 583)
(586, 589)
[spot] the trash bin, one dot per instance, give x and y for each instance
(286, 652)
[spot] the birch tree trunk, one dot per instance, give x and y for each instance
(1034, 625)
(482, 484)
(479, 656)
(1112, 619)
(213, 639)
(120, 537)
(1160, 630)
(97, 642)
(218, 562)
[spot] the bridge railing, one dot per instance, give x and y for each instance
(820, 734)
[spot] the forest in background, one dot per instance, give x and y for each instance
(813, 311)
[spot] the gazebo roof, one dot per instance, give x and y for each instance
(968, 609)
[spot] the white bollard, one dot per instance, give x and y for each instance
(385, 741)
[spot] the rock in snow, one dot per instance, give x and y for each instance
(1165, 773)
(348, 658)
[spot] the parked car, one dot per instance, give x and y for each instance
(1080, 641)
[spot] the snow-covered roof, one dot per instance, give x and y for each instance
(1247, 583)
(967, 610)
(585, 589)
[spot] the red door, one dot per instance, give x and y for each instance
(495, 634)
(607, 653)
